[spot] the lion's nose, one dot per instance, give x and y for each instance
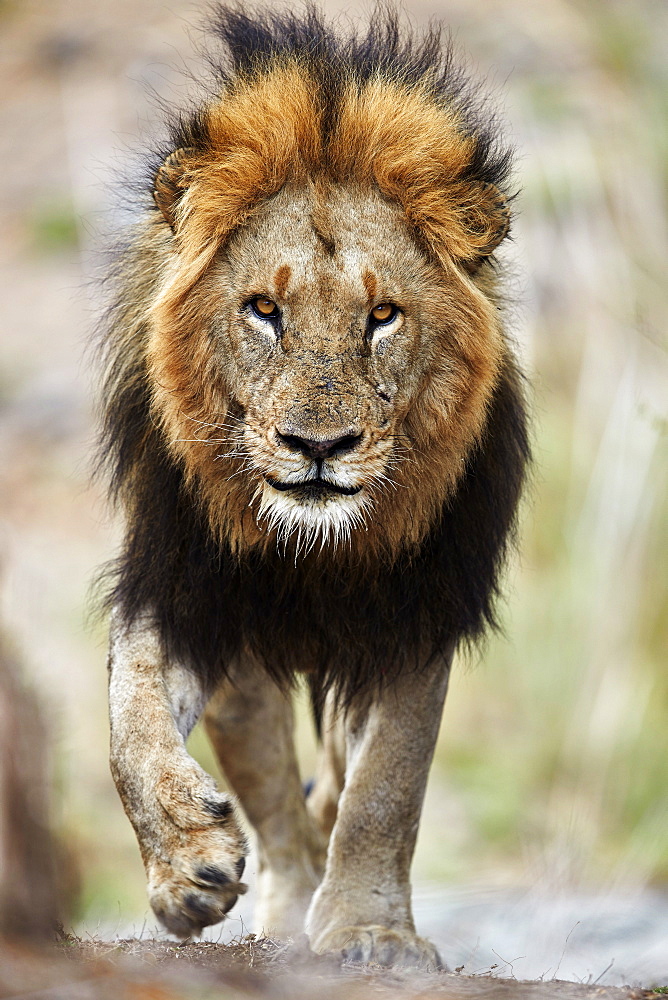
(319, 450)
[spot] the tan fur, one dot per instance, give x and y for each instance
(153, 707)
(363, 904)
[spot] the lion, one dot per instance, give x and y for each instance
(316, 427)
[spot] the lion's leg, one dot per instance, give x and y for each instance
(250, 723)
(363, 905)
(323, 800)
(190, 840)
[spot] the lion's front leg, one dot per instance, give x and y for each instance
(363, 905)
(190, 840)
(250, 723)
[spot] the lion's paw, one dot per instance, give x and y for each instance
(382, 946)
(188, 892)
(196, 881)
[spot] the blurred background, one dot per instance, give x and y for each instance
(544, 843)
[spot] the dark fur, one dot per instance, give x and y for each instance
(352, 631)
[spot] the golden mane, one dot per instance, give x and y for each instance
(267, 132)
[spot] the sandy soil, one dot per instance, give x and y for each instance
(249, 968)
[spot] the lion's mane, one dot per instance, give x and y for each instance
(386, 109)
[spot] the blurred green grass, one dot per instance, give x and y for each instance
(54, 226)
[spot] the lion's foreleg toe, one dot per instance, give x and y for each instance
(381, 946)
(198, 885)
(194, 858)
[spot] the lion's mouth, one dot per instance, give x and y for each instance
(313, 487)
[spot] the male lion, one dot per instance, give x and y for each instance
(316, 428)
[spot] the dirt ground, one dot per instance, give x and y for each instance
(249, 968)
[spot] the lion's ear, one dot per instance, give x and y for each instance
(486, 219)
(170, 182)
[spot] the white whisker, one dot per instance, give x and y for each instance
(247, 467)
(203, 423)
(202, 440)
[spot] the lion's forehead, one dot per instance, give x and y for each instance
(345, 247)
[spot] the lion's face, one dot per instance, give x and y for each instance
(323, 331)
(325, 374)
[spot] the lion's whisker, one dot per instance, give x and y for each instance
(201, 440)
(244, 468)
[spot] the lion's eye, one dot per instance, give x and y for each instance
(264, 308)
(383, 313)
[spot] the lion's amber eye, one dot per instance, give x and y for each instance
(264, 308)
(384, 313)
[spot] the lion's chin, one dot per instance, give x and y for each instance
(311, 515)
